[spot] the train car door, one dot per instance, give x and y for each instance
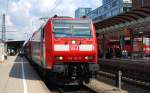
(42, 47)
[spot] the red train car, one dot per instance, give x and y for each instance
(67, 48)
(27, 49)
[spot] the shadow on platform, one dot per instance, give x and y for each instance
(17, 69)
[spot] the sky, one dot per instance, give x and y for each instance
(22, 16)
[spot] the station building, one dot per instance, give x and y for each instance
(109, 9)
(80, 12)
(106, 1)
(140, 3)
(126, 35)
(14, 47)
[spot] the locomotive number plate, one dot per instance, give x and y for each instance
(74, 47)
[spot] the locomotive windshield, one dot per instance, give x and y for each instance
(72, 28)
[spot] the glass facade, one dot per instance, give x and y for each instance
(80, 12)
(142, 2)
(113, 8)
(106, 1)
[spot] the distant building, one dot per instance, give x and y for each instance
(80, 12)
(140, 3)
(106, 1)
(110, 9)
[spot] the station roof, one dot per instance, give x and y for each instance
(1, 41)
(15, 44)
(131, 16)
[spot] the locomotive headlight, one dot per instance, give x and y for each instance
(59, 58)
(86, 57)
(73, 42)
(89, 57)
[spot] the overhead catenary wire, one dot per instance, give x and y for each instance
(56, 4)
(7, 6)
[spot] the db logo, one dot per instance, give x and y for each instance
(74, 47)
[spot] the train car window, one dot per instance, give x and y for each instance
(72, 28)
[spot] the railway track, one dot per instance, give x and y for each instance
(65, 88)
(74, 89)
(130, 80)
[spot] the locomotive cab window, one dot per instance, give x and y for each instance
(72, 28)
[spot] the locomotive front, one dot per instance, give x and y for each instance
(74, 48)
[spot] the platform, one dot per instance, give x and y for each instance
(17, 76)
(141, 65)
(136, 60)
(102, 87)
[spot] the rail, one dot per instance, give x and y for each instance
(75, 89)
(119, 78)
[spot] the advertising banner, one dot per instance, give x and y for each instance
(146, 45)
(137, 44)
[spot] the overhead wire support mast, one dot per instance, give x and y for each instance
(4, 36)
(3, 28)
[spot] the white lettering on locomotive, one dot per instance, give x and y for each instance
(59, 47)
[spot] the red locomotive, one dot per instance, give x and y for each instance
(65, 48)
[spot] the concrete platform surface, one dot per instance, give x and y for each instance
(102, 87)
(17, 76)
